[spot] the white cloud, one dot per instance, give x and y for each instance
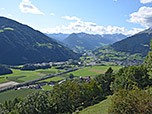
(89, 27)
(115, 0)
(52, 14)
(143, 17)
(71, 18)
(134, 31)
(2, 8)
(146, 1)
(27, 7)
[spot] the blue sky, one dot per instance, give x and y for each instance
(91, 16)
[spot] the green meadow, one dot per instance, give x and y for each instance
(52, 79)
(49, 71)
(92, 70)
(3, 79)
(47, 87)
(100, 108)
(12, 94)
(23, 76)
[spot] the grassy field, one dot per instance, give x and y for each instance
(3, 79)
(94, 70)
(47, 87)
(23, 76)
(52, 79)
(100, 108)
(11, 94)
(49, 71)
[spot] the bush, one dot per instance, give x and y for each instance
(104, 80)
(131, 102)
(129, 76)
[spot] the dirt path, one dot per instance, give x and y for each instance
(6, 84)
(95, 70)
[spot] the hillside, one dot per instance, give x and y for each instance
(135, 47)
(83, 41)
(99, 108)
(20, 44)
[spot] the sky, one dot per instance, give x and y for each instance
(91, 16)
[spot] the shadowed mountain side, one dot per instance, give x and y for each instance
(20, 44)
(135, 47)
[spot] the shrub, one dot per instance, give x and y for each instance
(131, 102)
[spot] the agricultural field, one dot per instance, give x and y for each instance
(52, 79)
(23, 76)
(49, 71)
(100, 108)
(11, 94)
(92, 70)
(3, 79)
(47, 87)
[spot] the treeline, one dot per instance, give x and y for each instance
(34, 67)
(5, 70)
(65, 98)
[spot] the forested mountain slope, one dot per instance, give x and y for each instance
(135, 47)
(20, 44)
(83, 41)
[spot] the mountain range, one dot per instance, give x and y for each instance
(79, 42)
(20, 44)
(135, 47)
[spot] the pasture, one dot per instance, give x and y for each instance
(52, 79)
(47, 87)
(23, 76)
(3, 79)
(12, 94)
(49, 71)
(93, 70)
